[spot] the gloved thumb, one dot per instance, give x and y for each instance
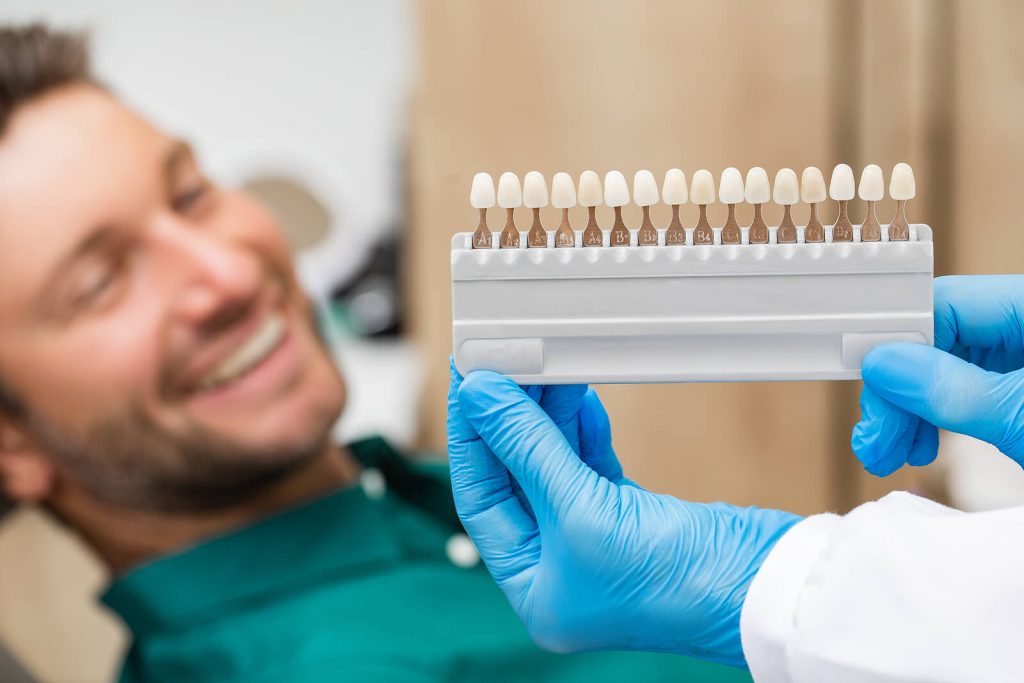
(526, 441)
(950, 393)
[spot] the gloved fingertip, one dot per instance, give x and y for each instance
(480, 390)
(453, 372)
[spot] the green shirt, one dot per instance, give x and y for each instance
(354, 586)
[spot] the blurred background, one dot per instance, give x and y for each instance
(362, 123)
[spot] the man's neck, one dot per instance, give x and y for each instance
(124, 538)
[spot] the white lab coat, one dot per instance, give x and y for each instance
(900, 589)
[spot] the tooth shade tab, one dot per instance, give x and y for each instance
(590, 193)
(842, 187)
(787, 187)
(757, 190)
(535, 190)
(730, 189)
(702, 187)
(901, 184)
(481, 195)
(645, 189)
(616, 192)
(510, 193)
(673, 190)
(563, 192)
(872, 186)
(812, 186)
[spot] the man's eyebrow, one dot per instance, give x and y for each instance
(96, 240)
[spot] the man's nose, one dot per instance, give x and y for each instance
(216, 277)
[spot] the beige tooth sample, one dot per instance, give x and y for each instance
(786, 193)
(481, 196)
(589, 194)
(730, 193)
(812, 191)
(510, 197)
(645, 194)
(902, 188)
(563, 197)
(535, 197)
(673, 193)
(757, 191)
(871, 189)
(842, 188)
(702, 193)
(616, 195)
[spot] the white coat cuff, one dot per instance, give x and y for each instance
(766, 622)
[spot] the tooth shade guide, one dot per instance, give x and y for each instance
(509, 234)
(564, 235)
(786, 234)
(842, 231)
(537, 237)
(482, 235)
(702, 232)
(815, 231)
(758, 232)
(899, 230)
(675, 233)
(592, 236)
(870, 231)
(731, 230)
(647, 234)
(619, 236)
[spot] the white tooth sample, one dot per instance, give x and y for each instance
(510, 193)
(645, 189)
(843, 186)
(787, 188)
(730, 188)
(757, 190)
(702, 187)
(590, 189)
(673, 190)
(616, 192)
(481, 196)
(535, 190)
(812, 186)
(901, 184)
(563, 192)
(872, 186)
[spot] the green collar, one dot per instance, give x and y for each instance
(342, 534)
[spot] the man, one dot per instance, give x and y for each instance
(165, 394)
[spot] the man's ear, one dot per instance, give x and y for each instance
(26, 474)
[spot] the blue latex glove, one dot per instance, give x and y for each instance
(588, 559)
(971, 382)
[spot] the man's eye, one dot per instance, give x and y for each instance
(98, 283)
(184, 201)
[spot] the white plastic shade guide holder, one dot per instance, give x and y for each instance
(691, 312)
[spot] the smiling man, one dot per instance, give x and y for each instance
(163, 392)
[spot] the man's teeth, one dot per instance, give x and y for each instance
(248, 355)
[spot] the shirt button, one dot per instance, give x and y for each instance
(373, 483)
(461, 551)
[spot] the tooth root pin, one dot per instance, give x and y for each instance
(563, 197)
(673, 193)
(616, 195)
(702, 193)
(902, 188)
(842, 189)
(757, 191)
(645, 194)
(812, 191)
(871, 190)
(590, 196)
(510, 197)
(535, 197)
(481, 197)
(730, 193)
(786, 193)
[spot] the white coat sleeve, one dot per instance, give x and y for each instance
(900, 589)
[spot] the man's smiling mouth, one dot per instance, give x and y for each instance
(259, 345)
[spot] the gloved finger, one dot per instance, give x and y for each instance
(884, 436)
(526, 441)
(978, 318)
(596, 439)
(925, 446)
(503, 531)
(949, 393)
(562, 404)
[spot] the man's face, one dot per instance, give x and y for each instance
(151, 322)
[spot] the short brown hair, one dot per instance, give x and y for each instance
(35, 59)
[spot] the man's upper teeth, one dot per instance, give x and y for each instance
(257, 347)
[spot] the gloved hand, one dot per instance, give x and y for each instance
(971, 382)
(588, 559)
